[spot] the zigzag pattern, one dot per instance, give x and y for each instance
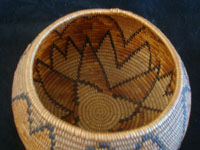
(185, 90)
(41, 127)
(119, 66)
(155, 140)
(125, 42)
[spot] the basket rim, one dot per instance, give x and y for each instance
(83, 133)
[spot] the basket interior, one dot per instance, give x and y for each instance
(104, 73)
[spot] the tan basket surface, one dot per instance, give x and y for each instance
(104, 72)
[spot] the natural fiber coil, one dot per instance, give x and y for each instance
(101, 79)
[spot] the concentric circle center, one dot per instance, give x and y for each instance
(98, 112)
(104, 73)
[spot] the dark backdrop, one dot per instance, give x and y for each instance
(22, 20)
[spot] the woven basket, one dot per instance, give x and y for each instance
(101, 79)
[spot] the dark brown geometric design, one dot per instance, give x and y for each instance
(70, 77)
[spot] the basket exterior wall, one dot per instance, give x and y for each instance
(38, 133)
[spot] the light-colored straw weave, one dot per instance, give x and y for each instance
(101, 79)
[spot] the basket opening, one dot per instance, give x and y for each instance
(104, 73)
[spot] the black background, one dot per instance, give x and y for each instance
(22, 20)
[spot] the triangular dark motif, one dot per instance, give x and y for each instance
(119, 65)
(41, 127)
